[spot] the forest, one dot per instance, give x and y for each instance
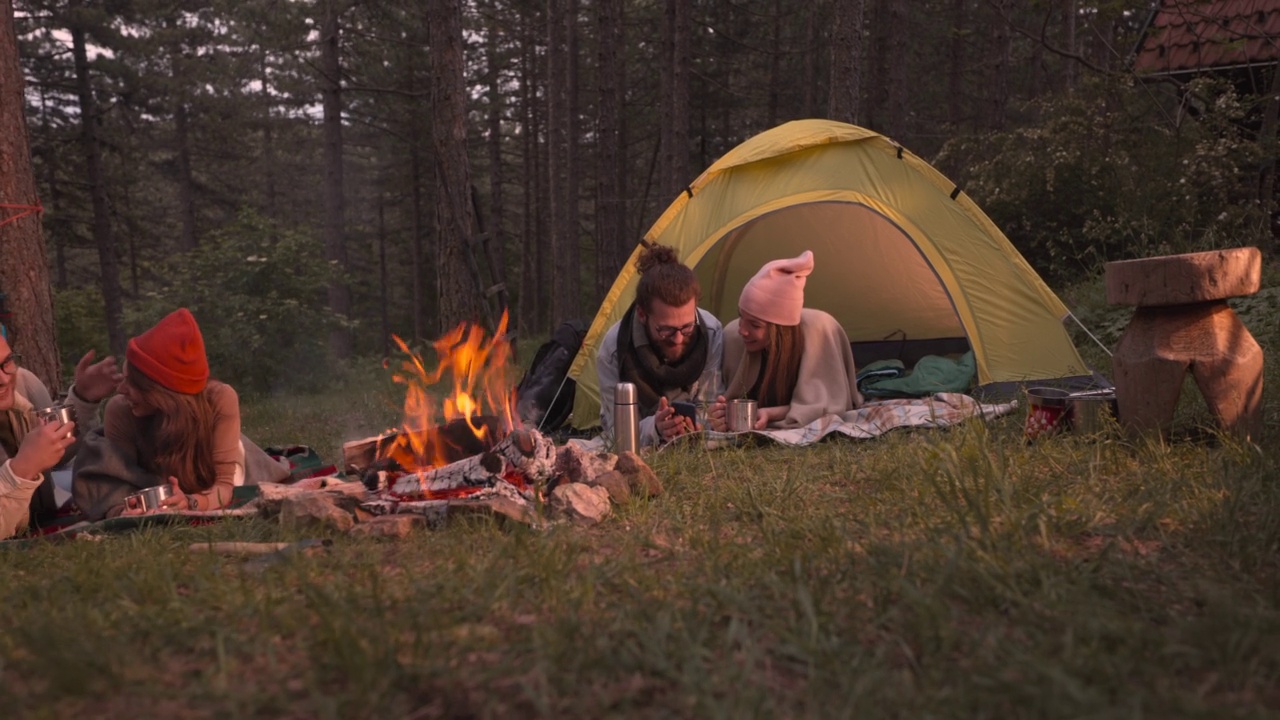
(312, 177)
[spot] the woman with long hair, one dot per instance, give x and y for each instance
(169, 424)
(796, 362)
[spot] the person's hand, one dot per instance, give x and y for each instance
(177, 500)
(42, 448)
(669, 423)
(762, 419)
(718, 415)
(95, 381)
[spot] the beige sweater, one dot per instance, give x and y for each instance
(827, 383)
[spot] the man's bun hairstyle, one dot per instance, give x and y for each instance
(663, 277)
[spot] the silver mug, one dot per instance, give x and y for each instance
(148, 499)
(61, 414)
(742, 415)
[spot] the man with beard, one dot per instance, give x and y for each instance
(29, 449)
(664, 343)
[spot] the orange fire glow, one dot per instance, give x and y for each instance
(470, 384)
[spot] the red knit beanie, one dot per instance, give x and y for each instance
(172, 353)
(776, 293)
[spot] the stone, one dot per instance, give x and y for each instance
(616, 483)
(1184, 279)
(314, 510)
(640, 477)
(1158, 348)
(580, 504)
(388, 526)
(582, 466)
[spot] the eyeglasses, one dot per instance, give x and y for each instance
(11, 364)
(666, 332)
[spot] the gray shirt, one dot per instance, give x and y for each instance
(607, 371)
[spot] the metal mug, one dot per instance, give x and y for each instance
(61, 414)
(742, 415)
(148, 499)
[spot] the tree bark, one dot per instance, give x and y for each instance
(845, 99)
(335, 243)
(103, 236)
(497, 198)
(24, 269)
(562, 209)
(456, 270)
(1070, 69)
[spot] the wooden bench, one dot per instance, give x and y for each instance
(1183, 322)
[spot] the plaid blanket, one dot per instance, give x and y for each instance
(878, 417)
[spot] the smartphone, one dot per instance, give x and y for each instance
(686, 409)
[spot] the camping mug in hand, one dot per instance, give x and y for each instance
(61, 414)
(742, 415)
(149, 499)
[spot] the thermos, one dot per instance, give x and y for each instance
(626, 419)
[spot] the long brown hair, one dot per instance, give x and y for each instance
(663, 277)
(784, 347)
(178, 435)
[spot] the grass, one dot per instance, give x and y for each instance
(958, 573)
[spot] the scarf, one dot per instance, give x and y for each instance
(651, 374)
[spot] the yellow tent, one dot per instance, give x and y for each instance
(903, 258)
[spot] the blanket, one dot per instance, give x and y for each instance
(878, 417)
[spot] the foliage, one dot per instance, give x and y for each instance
(81, 324)
(258, 294)
(1094, 180)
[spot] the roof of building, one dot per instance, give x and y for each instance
(1189, 35)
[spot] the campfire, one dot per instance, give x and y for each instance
(460, 436)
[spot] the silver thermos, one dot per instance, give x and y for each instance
(626, 419)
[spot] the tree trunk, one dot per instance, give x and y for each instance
(335, 243)
(530, 240)
(610, 222)
(559, 127)
(24, 270)
(186, 191)
(674, 101)
(571, 261)
(1070, 70)
(998, 77)
(456, 271)
(103, 236)
(899, 45)
(497, 199)
(955, 71)
(846, 62)
(419, 229)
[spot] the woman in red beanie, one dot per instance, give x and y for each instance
(169, 424)
(796, 362)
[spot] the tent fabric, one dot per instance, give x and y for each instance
(900, 253)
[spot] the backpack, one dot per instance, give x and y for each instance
(544, 397)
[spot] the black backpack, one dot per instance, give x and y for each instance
(544, 397)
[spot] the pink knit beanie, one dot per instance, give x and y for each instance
(776, 293)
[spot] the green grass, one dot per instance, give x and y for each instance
(959, 573)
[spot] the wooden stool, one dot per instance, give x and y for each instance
(1183, 322)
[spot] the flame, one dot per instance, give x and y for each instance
(473, 373)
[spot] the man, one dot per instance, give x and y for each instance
(665, 344)
(29, 449)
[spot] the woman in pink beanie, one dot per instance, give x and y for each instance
(794, 361)
(168, 424)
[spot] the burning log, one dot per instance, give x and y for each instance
(523, 459)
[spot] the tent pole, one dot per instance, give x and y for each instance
(563, 380)
(1086, 332)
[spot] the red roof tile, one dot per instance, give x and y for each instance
(1196, 35)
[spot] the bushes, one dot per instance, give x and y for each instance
(1095, 180)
